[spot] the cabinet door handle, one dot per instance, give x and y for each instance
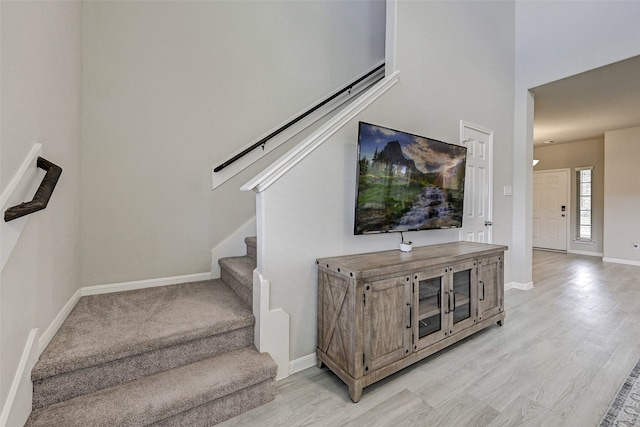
(410, 313)
(453, 293)
(482, 283)
(448, 303)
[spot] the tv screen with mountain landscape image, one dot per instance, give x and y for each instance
(407, 182)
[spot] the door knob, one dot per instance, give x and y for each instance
(487, 223)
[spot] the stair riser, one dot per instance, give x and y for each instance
(241, 289)
(251, 250)
(213, 384)
(223, 408)
(75, 383)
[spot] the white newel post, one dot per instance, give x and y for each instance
(272, 326)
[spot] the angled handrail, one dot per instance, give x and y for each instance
(281, 166)
(287, 125)
(43, 193)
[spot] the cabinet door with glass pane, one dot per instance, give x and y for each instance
(461, 298)
(429, 316)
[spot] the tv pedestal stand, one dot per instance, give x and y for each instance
(381, 312)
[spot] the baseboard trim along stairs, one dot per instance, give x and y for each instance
(175, 355)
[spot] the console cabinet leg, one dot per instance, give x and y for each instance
(355, 393)
(319, 363)
(500, 322)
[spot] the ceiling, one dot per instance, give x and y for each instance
(586, 105)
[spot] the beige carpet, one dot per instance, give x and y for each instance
(169, 355)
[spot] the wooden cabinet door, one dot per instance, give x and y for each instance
(462, 296)
(490, 286)
(387, 322)
(336, 314)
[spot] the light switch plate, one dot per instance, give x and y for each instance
(508, 190)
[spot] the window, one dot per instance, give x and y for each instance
(583, 190)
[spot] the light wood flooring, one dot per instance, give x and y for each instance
(566, 347)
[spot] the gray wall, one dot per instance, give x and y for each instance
(456, 63)
(170, 89)
(574, 155)
(40, 85)
(622, 195)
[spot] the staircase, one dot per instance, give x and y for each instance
(179, 355)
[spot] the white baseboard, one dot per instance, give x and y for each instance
(621, 261)
(521, 286)
(142, 284)
(48, 334)
(596, 254)
(17, 406)
(508, 286)
(302, 363)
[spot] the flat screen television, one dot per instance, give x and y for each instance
(407, 182)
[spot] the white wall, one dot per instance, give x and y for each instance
(40, 85)
(170, 89)
(554, 40)
(575, 155)
(622, 195)
(456, 62)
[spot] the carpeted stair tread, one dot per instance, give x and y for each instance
(104, 328)
(71, 384)
(252, 246)
(240, 267)
(167, 394)
(237, 272)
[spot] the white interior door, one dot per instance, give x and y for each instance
(550, 209)
(476, 224)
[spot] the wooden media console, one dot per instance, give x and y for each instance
(380, 312)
